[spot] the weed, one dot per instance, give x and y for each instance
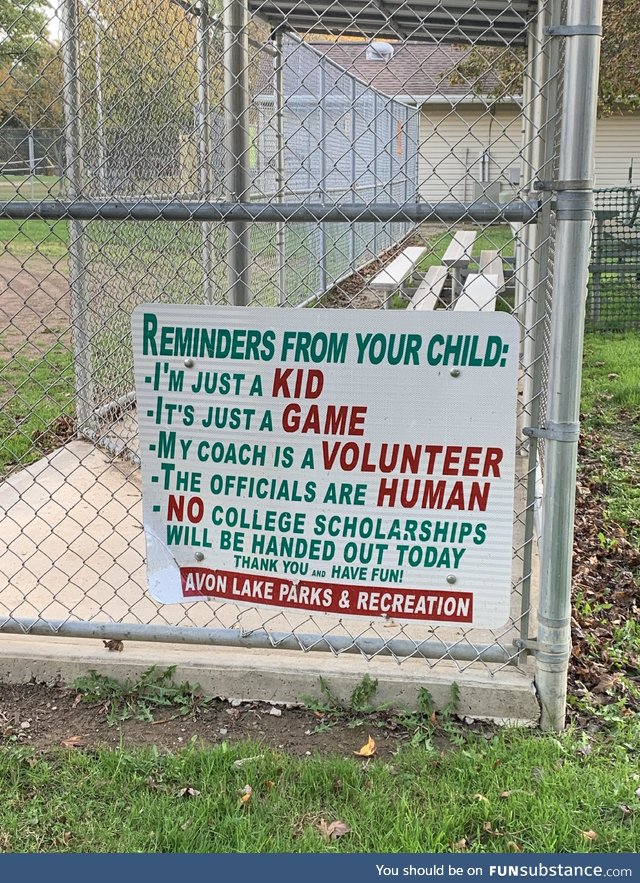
(140, 699)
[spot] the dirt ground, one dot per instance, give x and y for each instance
(43, 717)
(35, 304)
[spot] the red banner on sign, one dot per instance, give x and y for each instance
(322, 597)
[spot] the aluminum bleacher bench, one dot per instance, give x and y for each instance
(428, 293)
(394, 274)
(490, 264)
(478, 293)
(457, 257)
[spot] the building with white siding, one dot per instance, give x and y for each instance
(471, 142)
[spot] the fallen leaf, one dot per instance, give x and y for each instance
(368, 749)
(246, 793)
(74, 742)
(114, 644)
(151, 783)
(598, 364)
(514, 846)
(612, 376)
(461, 844)
(269, 785)
(505, 794)
(77, 700)
(589, 835)
(188, 792)
(480, 797)
(625, 810)
(584, 749)
(333, 830)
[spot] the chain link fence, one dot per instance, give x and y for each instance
(269, 155)
(614, 293)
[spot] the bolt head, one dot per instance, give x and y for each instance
(188, 363)
(451, 579)
(199, 556)
(455, 372)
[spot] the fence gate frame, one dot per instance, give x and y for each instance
(561, 93)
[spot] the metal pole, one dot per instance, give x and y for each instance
(237, 178)
(376, 148)
(354, 169)
(204, 147)
(532, 269)
(72, 101)
(574, 216)
(522, 242)
(323, 176)
(259, 639)
(32, 155)
(102, 152)
(281, 229)
(549, 109)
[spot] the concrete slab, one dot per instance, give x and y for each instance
(506, 697)
(72, 548)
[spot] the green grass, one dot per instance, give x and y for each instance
(604, 396)
(25, 238)
(513, 792)
(497, 238)
(35, 392)
(30, 187)
(611, 409)
(22, 238)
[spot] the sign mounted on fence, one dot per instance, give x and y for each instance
(346, 462)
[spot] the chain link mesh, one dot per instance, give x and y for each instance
(614, 296)
(444, 119)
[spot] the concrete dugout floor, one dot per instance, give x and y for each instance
(72, 546)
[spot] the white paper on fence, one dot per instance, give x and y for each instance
(354, 463)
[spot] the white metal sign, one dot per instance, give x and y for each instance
(345, 462)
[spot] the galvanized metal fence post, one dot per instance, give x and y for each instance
(549, 91)
(573, 224)
(354, 184)
(72, 101)
(532, 269)
(281, 230)
(204, 147)
(322, 111)
(236, 109)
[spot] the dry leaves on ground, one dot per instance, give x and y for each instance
(368, 749)
(74, 742)
(334, 830)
